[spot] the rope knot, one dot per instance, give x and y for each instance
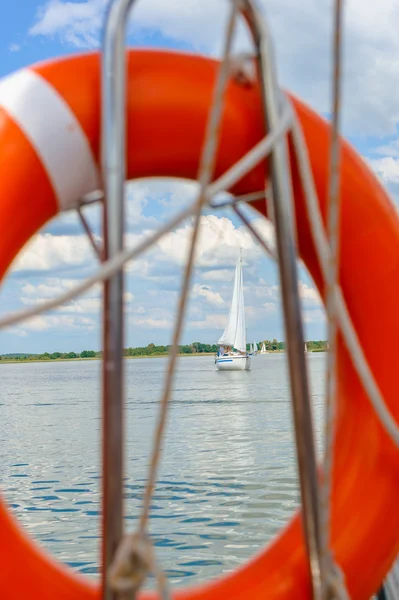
(243, 69)
(133, 561)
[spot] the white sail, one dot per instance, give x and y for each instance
(263, 348)
(234, 334)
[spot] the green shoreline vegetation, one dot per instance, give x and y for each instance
(150, 351)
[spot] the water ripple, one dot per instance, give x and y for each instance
(228, 473)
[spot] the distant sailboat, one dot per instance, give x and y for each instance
(233, 355)
(263, 349)
(253, 349)
(306, 347)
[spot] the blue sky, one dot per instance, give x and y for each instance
(33, 30)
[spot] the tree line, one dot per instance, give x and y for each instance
(312, 345)
(153, 350)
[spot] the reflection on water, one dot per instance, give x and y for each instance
(228, 475)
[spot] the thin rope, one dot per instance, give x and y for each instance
(265, 245)
(206, 171)
(343, 317)
(258, 153)
(128, 560)
(242, 199)
(335, 580)
(98, 251)
(106, 271)
(330, 569)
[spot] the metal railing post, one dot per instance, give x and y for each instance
(113, 167)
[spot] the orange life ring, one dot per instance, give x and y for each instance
(49, 152)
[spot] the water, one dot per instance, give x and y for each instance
(228, 477)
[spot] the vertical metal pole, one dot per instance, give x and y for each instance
(113, 164)
(283, 218)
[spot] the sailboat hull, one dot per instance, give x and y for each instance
(233, 363)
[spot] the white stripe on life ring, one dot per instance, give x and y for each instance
(55, 133)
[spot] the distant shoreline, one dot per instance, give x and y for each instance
(79, 359)
(10, 361)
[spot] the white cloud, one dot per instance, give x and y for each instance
(77, 23)
(218, 275)
(90, 303)
(210, 296)
(17, 331)
(218, 321)
(263, 290)
(387, 169)
(82, 305)
(309, 295)
(154, 309)
(314, 316)
(59, 322)
(151, 318)
(45, 251)
(302, 32)
(177, 193)
(218, 244)
(49, 289)
(80, 23)
(151, 323)
(215, 322)
(270, 307)
(14, 47)
(137, 196)
(391, 148)
(266, 231)
(251, 311)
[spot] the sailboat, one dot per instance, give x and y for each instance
(254, 349)
(263, 349)
(306, 347)
(233, 355)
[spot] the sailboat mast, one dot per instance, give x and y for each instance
(234, 334)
